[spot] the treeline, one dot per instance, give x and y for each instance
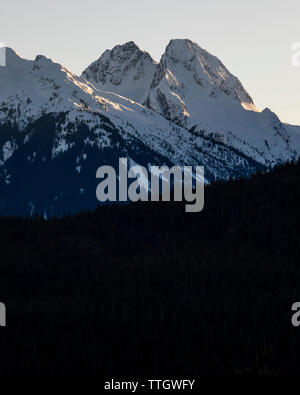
(149, 290)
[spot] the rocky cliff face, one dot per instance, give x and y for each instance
(125, 70)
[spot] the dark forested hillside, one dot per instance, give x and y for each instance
(148, 290)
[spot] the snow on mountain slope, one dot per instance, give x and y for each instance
(194, 89)
(41, 94)
(125, 70)
(56, 129)
(29, 89)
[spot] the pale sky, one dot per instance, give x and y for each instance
(252, 39)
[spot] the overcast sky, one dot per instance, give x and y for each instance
(252, 39)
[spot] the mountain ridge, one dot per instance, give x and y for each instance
(51, 119)
(194, 89)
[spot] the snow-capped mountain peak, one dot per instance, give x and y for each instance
(57, 127)
(188, 70)
(31, 88)
(125, 70)
(194, 89)
(207, 69)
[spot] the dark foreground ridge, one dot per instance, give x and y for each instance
(147, 290)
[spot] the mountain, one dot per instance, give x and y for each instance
(56, 129)
(194, 89)
(125, 70)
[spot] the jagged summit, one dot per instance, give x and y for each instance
(122, 52)
(194, 89)
(180, 46)
(207, 69)
(129, 47)
(125, 70)
(186, 68)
